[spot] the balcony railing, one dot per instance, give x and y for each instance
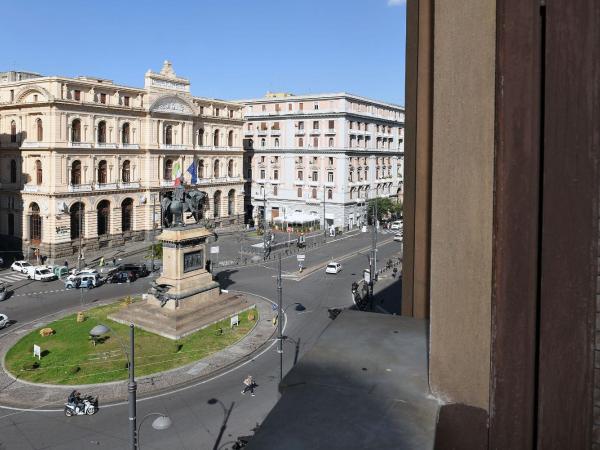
(105, 186)
(80, 144)
(31, 188)
(33, 144)
(130, 185)
(330, 131)
(173, 147)
(300, 131)
(130, 146)
(80, 188)
(275, 132)
(167, 183)
(313, 131)
(105, 145)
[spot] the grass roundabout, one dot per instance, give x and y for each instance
(68, 355)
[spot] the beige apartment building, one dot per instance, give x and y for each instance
(83, 161)
(316, 158)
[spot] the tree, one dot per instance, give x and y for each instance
(386, 209)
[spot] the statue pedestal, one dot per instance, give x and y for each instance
(184, 298)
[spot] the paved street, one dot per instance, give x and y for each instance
(195, 423)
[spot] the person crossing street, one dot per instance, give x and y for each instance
(249, 385)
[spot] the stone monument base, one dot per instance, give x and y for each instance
(176, 323)
(185, 298)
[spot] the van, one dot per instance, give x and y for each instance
(40, 273)
(81, 281)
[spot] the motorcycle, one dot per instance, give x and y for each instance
(79, 406)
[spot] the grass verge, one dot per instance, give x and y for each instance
(69, 356)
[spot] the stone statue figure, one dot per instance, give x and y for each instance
(179, 201)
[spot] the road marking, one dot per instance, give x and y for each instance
(382, 309)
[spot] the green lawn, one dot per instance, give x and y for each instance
(69, 356)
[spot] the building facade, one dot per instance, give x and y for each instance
(316, 158)
(83, 161)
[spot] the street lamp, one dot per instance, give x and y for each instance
(97, 332)
(162, 422)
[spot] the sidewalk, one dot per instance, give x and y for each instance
(21, 394)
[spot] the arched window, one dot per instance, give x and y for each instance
(126, 214)
(13, 131)
(201, 136)
(103, 212)
(230, 138)
(168, 170)
(230, 168)
(331, 142)
(40, 130)
(77, 212)
(125, 134)
(263, 142)
(35, 224)
(276, 142)
(201, 168)
(216, 138)
(38, 172)
(126, 172)
(329, 194)
(300, 142)
(315, 142)
(169, 135)
(217, 203)
(76, 131)
(76, 172)
(102, 165)
(13, 171)
(216, 169)
(101, 132)
(231, 203)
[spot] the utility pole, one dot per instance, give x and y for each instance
(79, 260)
(264, 220)
(280, 319)
(373, 258)
(153, 228)
(131, 389)
(324, 219)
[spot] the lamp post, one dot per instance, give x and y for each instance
(264, 220)
(279, 317)
(324, 219)
(100, 330)
(162, 422)
(153, 229)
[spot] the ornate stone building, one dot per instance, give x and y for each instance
(83, 161)
(322, 155)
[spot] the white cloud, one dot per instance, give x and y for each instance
(396, 2)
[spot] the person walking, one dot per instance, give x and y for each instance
(249, 385)
(66, 264)
(101, 264)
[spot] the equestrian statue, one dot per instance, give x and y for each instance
(178, 202)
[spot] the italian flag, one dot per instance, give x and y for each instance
(177, 172)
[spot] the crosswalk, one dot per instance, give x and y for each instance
(12, 277)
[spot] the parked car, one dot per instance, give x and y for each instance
(3, 290)
(20, 266)
(140, 270)
(396, 225)
(82, 281)
(398, 237)
(122, 276)
(40, 273)
(3, 320)
(333, 267)
(87, 271)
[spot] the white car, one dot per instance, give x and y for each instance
(82, 281)
(333, 267)
(398, 237)
(20, 266)
(396, 225)
(77, 273)
(40, 273)
(3, 320)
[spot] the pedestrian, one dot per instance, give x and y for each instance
(114, 261)
(101, 264)
(89, 284)
(249, 385)
(67, 264)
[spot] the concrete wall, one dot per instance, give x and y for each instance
(462, 200)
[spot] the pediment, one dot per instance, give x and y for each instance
(172, 105)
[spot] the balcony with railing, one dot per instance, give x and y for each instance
(174, 147)
(80, 188)
(130, 146)
(300, 132)
(105, 186)
(105, 145)
(34, 144)
(31, 188)
(80, 145)
(129, 185)
(330, 131)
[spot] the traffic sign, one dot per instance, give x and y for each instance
(301, 257)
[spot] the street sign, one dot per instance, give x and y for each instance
(214, 249)
(37, 351)
(367, 276)
(235, 320)
(301, 257)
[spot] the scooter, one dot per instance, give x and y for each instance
(87, 405)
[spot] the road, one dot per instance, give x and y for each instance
(196, 423)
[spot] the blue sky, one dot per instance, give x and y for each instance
(229, 49)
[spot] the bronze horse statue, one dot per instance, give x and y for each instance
(182, 201)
